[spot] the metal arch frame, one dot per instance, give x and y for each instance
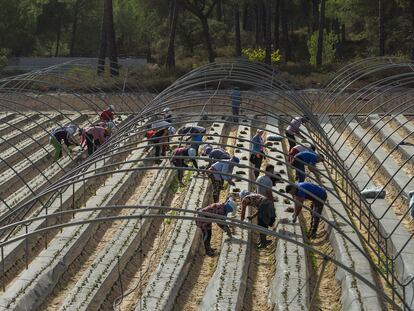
(211, 75)
(200, 216)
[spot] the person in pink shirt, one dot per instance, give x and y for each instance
(293, 129)
(93, 137)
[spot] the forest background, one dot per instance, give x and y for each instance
(304, 38)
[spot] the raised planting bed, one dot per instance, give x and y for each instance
(289, 288)
(19, 121)
(165, 283)
(25, 145)
(389, 222)
(90, 291)
(227, 286)
(356, 295)
(32, 286)
(39, 181)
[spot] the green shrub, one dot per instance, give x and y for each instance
(329, 43)
(3, 57)
(258, 55)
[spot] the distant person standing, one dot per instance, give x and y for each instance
(235, 98)
(62, 135)
(257, 152)
(108, 114)
(293, 129)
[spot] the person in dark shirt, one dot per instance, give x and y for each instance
(62, 135)
(180, 163)
(303, 191)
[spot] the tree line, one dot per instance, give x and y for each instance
(171, 31)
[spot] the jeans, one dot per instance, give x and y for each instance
(300, 170)
(317, 208)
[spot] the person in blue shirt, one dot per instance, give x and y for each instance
(308, 158)
(215, 154)
(195, 134)
(257, 151)
(303, 191)
(235, 98)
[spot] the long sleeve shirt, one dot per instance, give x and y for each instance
(183, 152)
(97, 132)
(64, 134)
(293, 127)
(254, 200)
(257, 144)
(215, 208)
(107, 115)
(225, 167)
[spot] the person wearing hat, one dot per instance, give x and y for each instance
(180, 162)
(108, 114)
(219, 209)
(303, 191)
(93, 137)
(215, 154)
(299, 148)
(220, 172)
(265, 212)
(293, 129)
(235, 98)
(257, 152)
(62, 135)
(306, 158)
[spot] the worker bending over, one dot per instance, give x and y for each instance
(62, 135)
(179, 158)
(215, 154)
(220, 172)
(93, 137)
(265, 212)
(108, 114)
(299, 148)
(195, 134)
(306, 158)
(303, 191)
(293, 129)
(219, 209)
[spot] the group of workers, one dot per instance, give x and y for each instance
(300, 157)
(91, 136)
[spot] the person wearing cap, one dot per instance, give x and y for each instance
(293, 129)
(299, 148)
(180, 162)
(93, 137)
(303, 191)
(215, 154)
(309, 159)
(257, 152)
(220, 172)
(219, 209)
(235, 98)
(265, 212)
(62, 135)
(108, 114)
(195, 134)
(267, 181)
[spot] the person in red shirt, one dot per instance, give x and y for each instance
(219, 209)
(108, 114)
